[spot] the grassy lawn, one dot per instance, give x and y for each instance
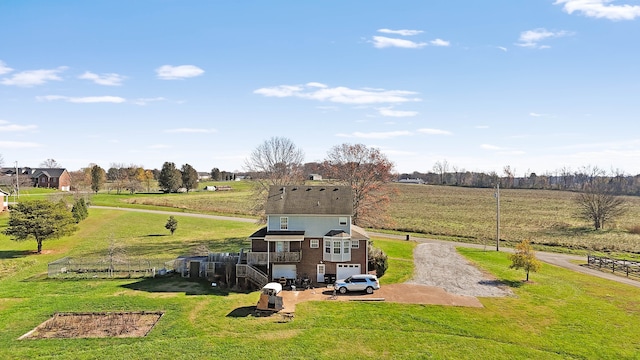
(558, 315)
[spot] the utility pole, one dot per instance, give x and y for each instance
(497, 196)
(17, 184)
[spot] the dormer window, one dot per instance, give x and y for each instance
(284, 223)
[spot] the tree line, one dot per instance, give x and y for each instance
(616, 181)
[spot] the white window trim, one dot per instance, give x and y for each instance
(284, 223)
(355, 244)
(341, 244)
(343, 221)
(314, 243)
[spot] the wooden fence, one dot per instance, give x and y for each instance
(620, 266)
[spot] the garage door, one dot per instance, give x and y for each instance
(285, 271)
(345, 270)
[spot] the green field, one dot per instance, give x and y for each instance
(547, 218)
(559, 315)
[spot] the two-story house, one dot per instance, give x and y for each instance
(308, 234)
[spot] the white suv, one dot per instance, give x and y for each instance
(362, 282)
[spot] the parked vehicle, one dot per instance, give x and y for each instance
(362, 282)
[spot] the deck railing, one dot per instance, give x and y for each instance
(254, 275)
(261, 258)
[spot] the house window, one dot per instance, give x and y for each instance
(355, 244)
(314, 243)
(342, 221)
(284, 223)
(337, 250)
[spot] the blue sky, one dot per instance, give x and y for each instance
(537, 85)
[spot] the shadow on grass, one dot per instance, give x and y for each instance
(175, 285)
(244, 311)
(156, 235)
(510, 283)
(14, 254)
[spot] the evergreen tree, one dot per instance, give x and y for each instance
(170, 178)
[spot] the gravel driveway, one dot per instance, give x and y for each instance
(440, 265)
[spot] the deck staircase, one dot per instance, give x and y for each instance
(253, 274)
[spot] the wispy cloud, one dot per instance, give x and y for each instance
(439, 42)
(4, 69)
(103, 79)
(341, 94)
(6, 126)
(434, 131)
(533, 114)
(396, 113)
(31, 78)
(382, 42)
(18, 145)
(601, 9)
(83, 100)
(490, 147)
(532, 38)
(169, 72)
(191, 131)
(502, 48)
(145, 101)
(401, 32)
(375, 135)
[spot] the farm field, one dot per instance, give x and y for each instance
(558, 315)
(547, 218)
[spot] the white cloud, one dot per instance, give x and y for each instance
(396, 113)
(532, 38)
(601, 9)
(434, 131)
(502, 48)
(536, 114)
(104, 79)
(18, 145)
(317, 84)
(4, 69)
(191, 130)
(381, 42)
(145, 101)
(34, 77)
(375, 135)
(169, 72)
(490, 147)
(482, 126)
(342, 95)
(439, 42)
(83, 100)
(6, 126)
(401, 32)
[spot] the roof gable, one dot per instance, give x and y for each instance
(310, 200)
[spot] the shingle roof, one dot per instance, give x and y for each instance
(48, 172)
(310, 200)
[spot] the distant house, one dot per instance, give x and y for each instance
(308, 234)
(53, 178)
(315, 177)
(411, 181)
(5, 200)
(204, 176)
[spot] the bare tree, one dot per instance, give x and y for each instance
(277, 161)
(598, 204)
(49, 164)
(368, 172)
(441, 168)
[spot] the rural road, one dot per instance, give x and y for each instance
(561, 260)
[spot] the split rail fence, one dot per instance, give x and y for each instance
(630, 268)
